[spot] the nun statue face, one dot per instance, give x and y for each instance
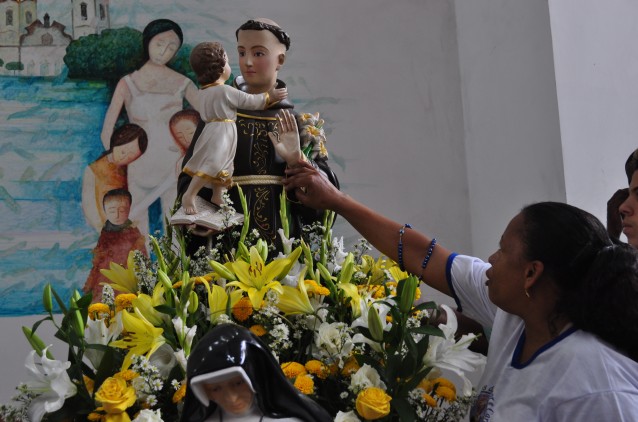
(234, 395)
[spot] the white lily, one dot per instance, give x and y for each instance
(446, 353)
(184, 333)
(339, 257)
(51, 382)
(97, 332)
(181, 358)
(164, 360)
(147, 415)
(362, 321)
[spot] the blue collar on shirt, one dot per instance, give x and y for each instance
(516, 357)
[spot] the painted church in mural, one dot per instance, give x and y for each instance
(30, 47)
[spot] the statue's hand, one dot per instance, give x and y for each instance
(286, 138)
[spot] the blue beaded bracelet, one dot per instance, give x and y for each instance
(428, 255)
(400, 251)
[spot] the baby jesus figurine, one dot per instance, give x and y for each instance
(211, 164)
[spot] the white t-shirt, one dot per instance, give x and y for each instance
(575, 377)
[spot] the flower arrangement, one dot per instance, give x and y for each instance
(349, 330)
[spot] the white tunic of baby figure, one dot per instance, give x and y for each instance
(214, 151)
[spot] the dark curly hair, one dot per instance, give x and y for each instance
(256, 25)
(597, 279)
(208, 61)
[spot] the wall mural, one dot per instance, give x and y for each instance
(81, 135)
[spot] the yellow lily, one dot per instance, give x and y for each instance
(352, 292)
(141, 337)
(256, 278)
(374, 269)
(122, 279)
(397, 274)
(218, 300)
(295, 301)
(146, 305)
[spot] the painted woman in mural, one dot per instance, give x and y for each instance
(151, 95)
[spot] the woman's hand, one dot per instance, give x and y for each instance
(286, 139)
(312, 188)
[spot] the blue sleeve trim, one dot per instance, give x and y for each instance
(448, 276)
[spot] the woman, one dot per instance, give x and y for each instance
(232, 376)
(151, 95)
(559, 296)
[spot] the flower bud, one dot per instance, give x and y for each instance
(408, 293)
(374, 324)
(47, 302)
(35, 341)
(222, 271)
(193, 302)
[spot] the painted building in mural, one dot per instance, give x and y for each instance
(30, 47)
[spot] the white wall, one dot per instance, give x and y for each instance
(512, 135)
(596, 70)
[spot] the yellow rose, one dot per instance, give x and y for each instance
(115, 395)
(373, 403)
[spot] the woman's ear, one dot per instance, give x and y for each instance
(534, 272)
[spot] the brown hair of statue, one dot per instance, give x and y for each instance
(207, 60)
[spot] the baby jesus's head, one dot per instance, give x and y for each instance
(210, 63)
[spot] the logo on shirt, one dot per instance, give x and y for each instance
(483, 407)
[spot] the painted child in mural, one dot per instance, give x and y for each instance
(110, 171)
(233, 376)
(151, 95)
(183, 125)
(118, 237)
(258, 168)
(211, 164)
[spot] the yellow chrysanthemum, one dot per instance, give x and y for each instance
(305, 384)
(316, 367)
(350, 367)
(258, 330)
(426, 385)
(429, 400)
(443, 382)
(314, 287)
(378, 291)
(99, 311)
(180, 393)
(124, 301)
(242, 309)
(445, 392)
(95, 417)
(417, 294)
(89, 384)
(126, 375)
(293, 369)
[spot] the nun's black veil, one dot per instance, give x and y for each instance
(231, 345)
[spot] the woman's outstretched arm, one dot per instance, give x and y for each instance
(314, 190)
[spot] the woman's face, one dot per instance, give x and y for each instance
(507, 275)
(127, 153)
(233, 395)
(162, 47)
(183, 132)
(260, 55)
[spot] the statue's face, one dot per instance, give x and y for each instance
(162, 47)
(233, 395)
(117, 209)
(260, 57)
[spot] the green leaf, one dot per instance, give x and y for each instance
(428, 330)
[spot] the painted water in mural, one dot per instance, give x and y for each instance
(49, 132)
